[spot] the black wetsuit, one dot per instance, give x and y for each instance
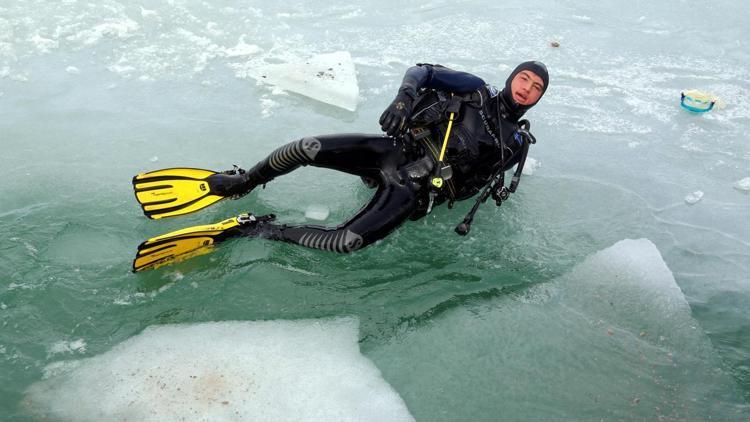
(402, 166)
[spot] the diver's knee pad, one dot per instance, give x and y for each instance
(294, 154)
(340, 240)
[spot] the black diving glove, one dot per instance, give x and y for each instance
(393, 119)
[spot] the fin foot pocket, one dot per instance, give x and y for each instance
(231, 183)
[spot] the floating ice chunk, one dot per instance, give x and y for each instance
(6, 73)
(175, 276)
(121, 67)
(44, 45)
(531, 166)
(73, 70)
(124, 28)
(743, 185)
(267, 105)
(330, 78)
(154, 159)
(212, 29)
(242, 49)
(353, 14)
(270, 370)
(694, 197)
(149, 13)
(68, 347)
(618, 324)
(317, 212)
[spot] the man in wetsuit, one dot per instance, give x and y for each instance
(484, 138)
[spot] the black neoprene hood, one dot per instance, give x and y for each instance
(534, 66)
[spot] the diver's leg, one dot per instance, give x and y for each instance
(389, 208)
(355, 153)
(358, 154)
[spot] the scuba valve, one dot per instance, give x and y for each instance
(496, 185)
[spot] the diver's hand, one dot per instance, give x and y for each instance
(393, 119)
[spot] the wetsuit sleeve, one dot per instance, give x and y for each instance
(439, 77)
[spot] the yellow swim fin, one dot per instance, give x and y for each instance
(177, 191)
(190, 242)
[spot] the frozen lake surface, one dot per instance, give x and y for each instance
(612, 286)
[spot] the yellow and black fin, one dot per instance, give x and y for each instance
(178, 191)
(194, 241)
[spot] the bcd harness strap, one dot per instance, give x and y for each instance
(443, 171)
(496, 184)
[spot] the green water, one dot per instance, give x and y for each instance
(617, 157)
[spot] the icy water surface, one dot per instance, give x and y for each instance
(545, 312)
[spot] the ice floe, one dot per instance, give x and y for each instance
(330, 78)
(271, 370)
(612, 339)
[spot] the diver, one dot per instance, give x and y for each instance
(448, 136)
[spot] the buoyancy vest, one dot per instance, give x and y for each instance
(482, 137)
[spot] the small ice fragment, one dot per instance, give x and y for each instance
(72, 70)
(154, 159)
(68, 347)
(317, 212)
(278, 91)
(242, 49)
(267, 106)
(743, 185)
(148, 13)
(44, 45)
(175, 276)
(694, 197)
(531, 165)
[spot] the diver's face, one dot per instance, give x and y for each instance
(526, 87)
